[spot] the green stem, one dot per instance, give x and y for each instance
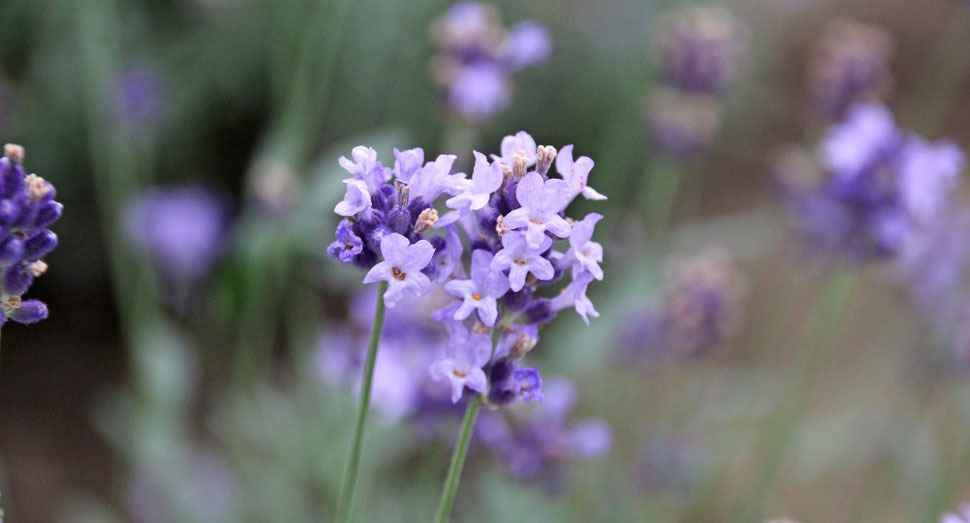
(814, 351)
(450, 488)
(353, 461)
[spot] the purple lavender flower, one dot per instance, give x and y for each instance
(521, 143)
(401, 268)
(357, 202)
(407, 163)
(585, 254)
(574, 295)
(347, 245)
(486, 179)
(481, 291)
(928, 173)
(962, 516)
(528, 384)
(521, 259)
(682, 123)
(850, 64)
(182, 230)
(700, 48)
(867, 134)
(365, 167)
(462, 367)
(576, 174)
(27, 207)
(478, 57)
(540, 200)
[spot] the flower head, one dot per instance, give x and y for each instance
(401, 268)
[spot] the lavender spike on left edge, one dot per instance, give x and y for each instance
(27, 207)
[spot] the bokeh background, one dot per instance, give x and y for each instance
(152, 397)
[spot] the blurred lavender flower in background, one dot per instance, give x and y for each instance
(850, 64)
(961, 516)
(700, 311)
(670, 464)
(477, 57)
(182, 230)
(880, 186)
(536, 440)
(700, 48)
(140, 97)
(27, 207)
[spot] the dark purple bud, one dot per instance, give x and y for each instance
(11, 178)
(538, 312)
(503, 389)
(366, 259)
(39, 244)
(15, 280)
(510, 201)
(502, 370)
(502, 395)
(11, 251)
(399, 220)
(47, 213)
(9, 211)
(30, 311)
(517, 301)
(439, 243)
(384, 198)
(416, 205)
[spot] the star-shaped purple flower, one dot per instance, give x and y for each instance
(486, 179)
(574, 295)
(541, 202)
(462, 367)
(366, 167)
(347, 245)
(521, 142)
(576, 173)
(481, 291)
(520, 259)
(528, 384)
(585, 254)
(401, 268)
(356, 201)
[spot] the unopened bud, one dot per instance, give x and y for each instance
(522, 346)
(545, 155)
(519, 163)
(14, 152)
(426, 220)
(36, 268)
(37, 188)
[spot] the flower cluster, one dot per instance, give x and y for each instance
(879, 186)
(27, 207)
(477, 56)
(511, 213)
(849, 64)
(700, 311)
(699, 50)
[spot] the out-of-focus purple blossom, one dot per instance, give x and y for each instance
(27, 207)
(850, 64)
(477, 57)
(182, 230)
(700, 47)
(880, 185)
(681, 123)
(670, 464)
(536, 440)
(140, 98)
(961, 516)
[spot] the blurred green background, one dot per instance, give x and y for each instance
(119, 384)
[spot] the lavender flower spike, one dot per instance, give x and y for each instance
(541, 202)
(481, 291)
(576, 173)
(463, 368)
(401, 268)
(486, 179)
(521, 259)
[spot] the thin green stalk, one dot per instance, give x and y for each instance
(353, 461)
(814, 351)
(450, 488)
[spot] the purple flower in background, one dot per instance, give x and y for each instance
(540, 200)
(700, 46)
(850, 64)
(682, 123)
(481, 291)
(27, 207)
(401, 268)
(463, 367)
(521, 259)
(928, 173)
(140, 94)
(962, 516)
(477, 58)
(182, 230)
(867, 135)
